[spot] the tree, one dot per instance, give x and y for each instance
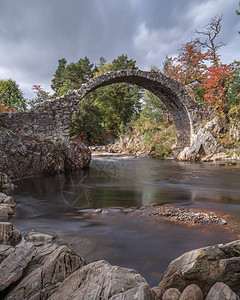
(11, 95)
(211, 32)
(71, 76)
(217, 85)
(102, 61)
(58, 77)
(40, 97)
(118, 102)
(167, 63)
(234, 88)
(189, 68)
(87, 122)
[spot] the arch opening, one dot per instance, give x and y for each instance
(166, 89)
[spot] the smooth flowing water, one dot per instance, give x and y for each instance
(117, 184)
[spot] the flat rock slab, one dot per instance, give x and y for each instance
(100, 280)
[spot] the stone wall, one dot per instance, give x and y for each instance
(51, 119)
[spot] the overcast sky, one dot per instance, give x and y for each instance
(34, 34)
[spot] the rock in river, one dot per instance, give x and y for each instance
(26, 156)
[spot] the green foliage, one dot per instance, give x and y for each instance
(155, 124)
(118, 102)
(58, 78)
(234, 88)
(167, 64)
(71, 76)
(11, 95)
(122, 63)
(87, 122)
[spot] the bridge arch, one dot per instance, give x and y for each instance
(51, 119)
(169, 91)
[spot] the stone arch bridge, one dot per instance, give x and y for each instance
(51, 119)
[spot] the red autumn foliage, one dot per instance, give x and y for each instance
(4, 108)
(216, 86)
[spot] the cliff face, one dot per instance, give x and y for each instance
(26, 156)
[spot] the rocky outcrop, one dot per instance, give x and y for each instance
(205, 146)
(24, 156)
(205, 267)
(100, 280)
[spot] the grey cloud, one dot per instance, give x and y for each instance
(34, 34)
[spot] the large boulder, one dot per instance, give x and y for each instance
(34, 272)
(204, 267)
(26, 156)
(100, 280)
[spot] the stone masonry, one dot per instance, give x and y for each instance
(51, 119)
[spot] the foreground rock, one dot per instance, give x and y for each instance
(205, 267)
(171, 294)
(192, 292)
(37, 270)
(50, 271)
(100, 280)
(25, 156)
(221, 291)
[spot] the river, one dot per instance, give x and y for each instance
(69, 206)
